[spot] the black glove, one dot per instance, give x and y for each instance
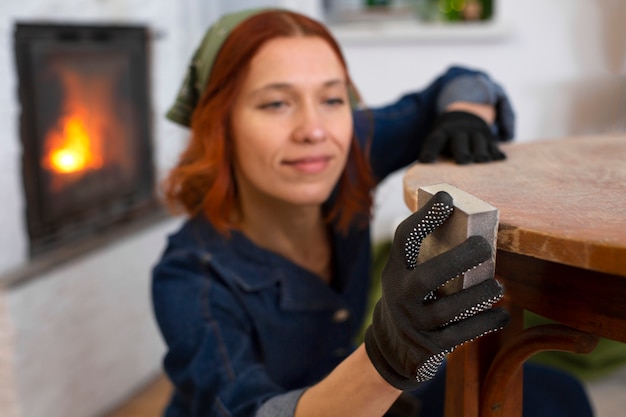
(462, 135)
(413, 328)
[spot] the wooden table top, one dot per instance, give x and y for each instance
(561, 200)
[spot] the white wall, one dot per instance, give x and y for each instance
(84, 335)
(557, 52)
(562, 63)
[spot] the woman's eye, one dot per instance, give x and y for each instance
(335, 101)
(273, 105)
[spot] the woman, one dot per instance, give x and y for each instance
(260, 294)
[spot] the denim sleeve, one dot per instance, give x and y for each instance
(210, 359)
(394, 133)
(283, 405)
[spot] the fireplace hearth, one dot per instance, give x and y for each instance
(85, 128)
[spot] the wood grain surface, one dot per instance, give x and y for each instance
(560, 200)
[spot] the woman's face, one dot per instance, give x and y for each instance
(291, 123)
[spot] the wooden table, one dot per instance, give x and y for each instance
(561, 254)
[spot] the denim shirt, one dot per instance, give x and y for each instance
(247, 331)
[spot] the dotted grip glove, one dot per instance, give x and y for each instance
(462, 135)
(413, 328)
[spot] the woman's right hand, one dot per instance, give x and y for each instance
(412, 328)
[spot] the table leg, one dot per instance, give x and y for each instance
(467, 367)
(507, 364)
(485, 378)
(462, 382)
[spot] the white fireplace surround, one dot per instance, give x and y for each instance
(79, 338)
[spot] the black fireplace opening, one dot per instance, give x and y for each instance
(85, 129)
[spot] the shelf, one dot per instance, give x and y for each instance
(414, 31)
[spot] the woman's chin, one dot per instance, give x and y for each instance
(314, 197)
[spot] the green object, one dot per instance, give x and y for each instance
(201, 64)
(380, 254)
(455, 10)
(377, 3)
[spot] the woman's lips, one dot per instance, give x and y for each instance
(309, 164)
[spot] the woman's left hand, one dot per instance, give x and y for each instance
(463, 132)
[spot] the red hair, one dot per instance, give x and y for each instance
(202, 181)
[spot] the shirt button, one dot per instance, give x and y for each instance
(341, 315)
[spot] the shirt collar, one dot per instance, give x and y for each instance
(254, 268)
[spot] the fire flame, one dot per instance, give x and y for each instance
(71, 148)
(88, 134)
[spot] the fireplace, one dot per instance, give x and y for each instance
(85, 129)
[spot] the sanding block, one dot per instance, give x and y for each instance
(471, 216)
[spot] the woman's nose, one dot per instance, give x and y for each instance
(310, 127)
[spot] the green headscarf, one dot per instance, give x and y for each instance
(201, 64)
